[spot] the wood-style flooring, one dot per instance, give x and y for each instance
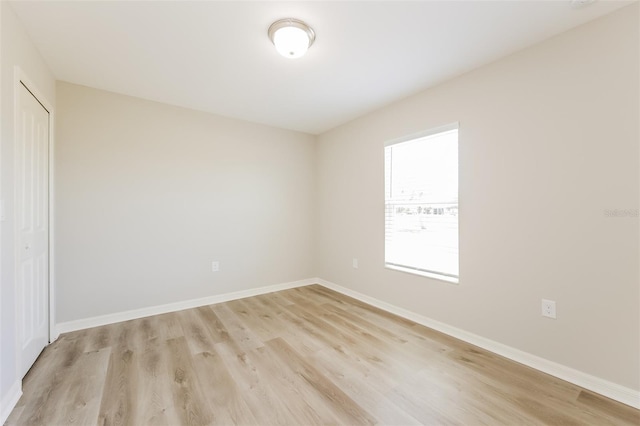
(304, 356)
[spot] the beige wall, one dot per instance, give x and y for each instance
(548, 142)
(148, 195)
(16, 49)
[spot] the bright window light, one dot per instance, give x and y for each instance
(421, 204)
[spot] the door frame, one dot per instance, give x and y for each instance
(22, 79)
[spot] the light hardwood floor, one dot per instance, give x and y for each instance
(297, 357)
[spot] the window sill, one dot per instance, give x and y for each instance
(452, 280)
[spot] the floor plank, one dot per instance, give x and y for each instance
(154, 400)
(306, 356)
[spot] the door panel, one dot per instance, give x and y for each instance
(32, 203)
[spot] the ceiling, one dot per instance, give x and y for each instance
(215, 56)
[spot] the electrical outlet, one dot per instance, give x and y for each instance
(215, 266)
(355, 263)
(549, 308)
(577, 4)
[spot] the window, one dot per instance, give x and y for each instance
(421, 204)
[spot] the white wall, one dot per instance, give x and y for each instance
(548, 142)
(147, 195)
(16, 49)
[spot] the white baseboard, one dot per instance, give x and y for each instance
(81, 324)
(604, 387)
(10, 400)
(609, 389)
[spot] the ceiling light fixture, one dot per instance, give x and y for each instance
(292, 37)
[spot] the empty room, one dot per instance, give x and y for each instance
(320, 212)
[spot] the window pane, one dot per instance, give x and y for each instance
(421, 198)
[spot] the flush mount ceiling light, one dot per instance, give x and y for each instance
(292, 37)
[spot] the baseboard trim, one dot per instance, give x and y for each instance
(97, 321)
(609, 389)
(603, 387)
(10, 400)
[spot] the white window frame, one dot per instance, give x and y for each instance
(417, 271)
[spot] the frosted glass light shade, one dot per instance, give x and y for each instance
(291, 42)
(291, 37)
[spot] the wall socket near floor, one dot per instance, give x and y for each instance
(549, 308)
(215, 266)
(354, 263)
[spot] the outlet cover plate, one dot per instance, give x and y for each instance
(549, 308)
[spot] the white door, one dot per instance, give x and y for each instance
(32, 227)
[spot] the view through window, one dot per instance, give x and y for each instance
(421, 204)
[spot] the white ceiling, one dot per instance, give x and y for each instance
(215, 56)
